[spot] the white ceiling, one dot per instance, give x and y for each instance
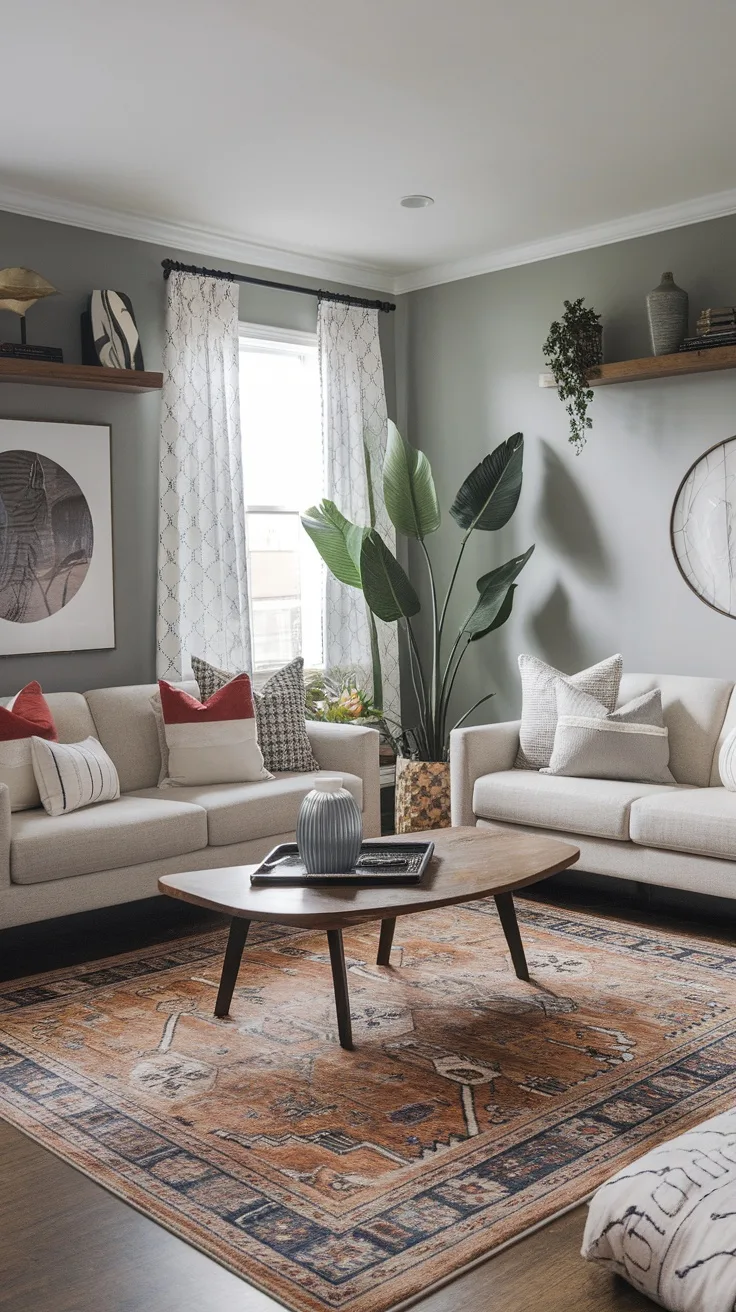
(283, 132)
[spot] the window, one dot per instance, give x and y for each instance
(282, 475)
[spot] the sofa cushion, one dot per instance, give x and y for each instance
(237, 812)
(122, 833)
(126, 727)
(579, 806)
(693, 711)
(701, 821)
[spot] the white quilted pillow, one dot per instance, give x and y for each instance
(667, 1223)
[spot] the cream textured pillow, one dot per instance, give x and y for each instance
(594, 743)
(539, 702)
(727, 762)
(72, 775)
(666, 1222)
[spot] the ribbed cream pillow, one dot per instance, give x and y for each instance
(539, 702)
(727, 762)
(72, 775)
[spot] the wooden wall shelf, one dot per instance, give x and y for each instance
(658, 366)
(93, 377)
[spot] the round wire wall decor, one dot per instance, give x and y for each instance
(703, 527)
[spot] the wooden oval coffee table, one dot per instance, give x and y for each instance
(467, 864)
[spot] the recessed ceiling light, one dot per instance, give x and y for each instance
(416, 202)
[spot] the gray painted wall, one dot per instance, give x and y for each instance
(76, 261)
(602, 578)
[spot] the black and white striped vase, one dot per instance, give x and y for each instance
(329, 830)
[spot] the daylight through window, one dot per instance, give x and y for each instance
(282, 475)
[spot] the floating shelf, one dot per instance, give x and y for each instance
(93, 377)
(657, 366)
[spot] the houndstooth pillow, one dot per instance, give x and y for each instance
(282, 732)
(539, 703)
(593, 743)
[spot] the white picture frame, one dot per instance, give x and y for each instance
(55, 537)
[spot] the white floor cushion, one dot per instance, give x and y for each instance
(667, 1223)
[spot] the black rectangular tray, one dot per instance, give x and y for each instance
(283, 866)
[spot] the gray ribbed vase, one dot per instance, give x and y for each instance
(667, 307)
(329, 830)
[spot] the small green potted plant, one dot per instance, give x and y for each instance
(574, 347)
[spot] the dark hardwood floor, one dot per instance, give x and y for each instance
(66, 1245)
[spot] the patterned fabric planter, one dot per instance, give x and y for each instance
(422, 795)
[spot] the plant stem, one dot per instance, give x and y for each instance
(448, 685)
(375, 661)
(432, 719)
(452, 580)
(420, 688)
(464, 717)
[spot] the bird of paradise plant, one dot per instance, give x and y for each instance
(358, 556)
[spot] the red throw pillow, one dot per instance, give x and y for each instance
(212, 742)
(28, 715)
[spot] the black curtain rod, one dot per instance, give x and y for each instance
(171, 266)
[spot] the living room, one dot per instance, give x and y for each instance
(365, 444)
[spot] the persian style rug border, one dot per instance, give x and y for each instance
(443, 1215)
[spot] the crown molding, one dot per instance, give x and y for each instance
(190, 238)
(715, 206)
(219, 245)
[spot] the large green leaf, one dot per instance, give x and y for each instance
(337, 541)
(490, 493)
(387, 589)
(408, 488)
(494, 603)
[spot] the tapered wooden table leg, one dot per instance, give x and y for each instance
(510, 927)
(231, 965)
(340, 982)
(385, 941)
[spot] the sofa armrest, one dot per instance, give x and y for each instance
(4, 836)
(351, 749)
(484, 749)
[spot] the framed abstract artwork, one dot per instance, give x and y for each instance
(703, 527)
(56, 576)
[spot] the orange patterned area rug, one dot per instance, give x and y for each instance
(473, 1107)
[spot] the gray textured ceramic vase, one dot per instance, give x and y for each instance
(329, 830)
(667, 307)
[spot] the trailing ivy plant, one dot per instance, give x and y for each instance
(572, 348)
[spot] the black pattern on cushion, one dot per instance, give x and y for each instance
(282, 732)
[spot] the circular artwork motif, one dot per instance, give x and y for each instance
(703, 527)
(46, 537)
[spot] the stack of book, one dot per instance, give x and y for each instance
(715, 327)
(23, 351)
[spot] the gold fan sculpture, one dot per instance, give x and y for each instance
(20, 289)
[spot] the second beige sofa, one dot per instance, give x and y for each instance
(116, 851)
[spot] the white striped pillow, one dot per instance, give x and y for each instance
(71, 775)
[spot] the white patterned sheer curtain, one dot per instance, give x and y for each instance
(354, 420)
(202, 571)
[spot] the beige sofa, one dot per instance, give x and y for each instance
(116, 851)
(679, 837)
